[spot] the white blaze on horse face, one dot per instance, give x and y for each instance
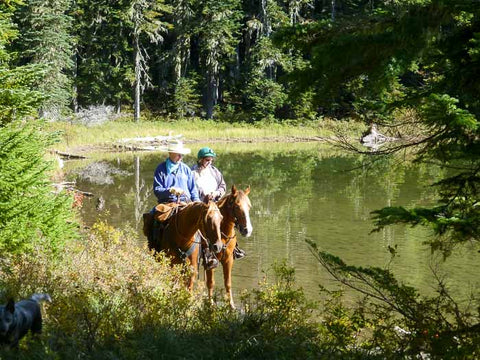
(249, 226)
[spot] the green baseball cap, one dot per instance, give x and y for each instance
(204, 152)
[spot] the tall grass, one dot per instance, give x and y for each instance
(74, 135)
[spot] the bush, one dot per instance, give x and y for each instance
(112, 299)
(104, 288)
(264, 97)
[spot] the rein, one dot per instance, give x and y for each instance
(229, 238)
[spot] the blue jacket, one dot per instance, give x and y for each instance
(181, 178)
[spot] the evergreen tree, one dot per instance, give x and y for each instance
(145, 22)
(185, 99)
(46, 41)
(105, 71)
(16, 96)
(183, 27)
(217, 31)
(30, 214)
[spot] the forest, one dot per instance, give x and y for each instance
(409, 66)
(241, 61)
(238, 61)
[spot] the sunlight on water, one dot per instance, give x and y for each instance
(299, 191)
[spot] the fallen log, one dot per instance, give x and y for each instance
(68, 156)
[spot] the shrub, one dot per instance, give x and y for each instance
(103, 288)
(264, 97)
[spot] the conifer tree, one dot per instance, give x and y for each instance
(104, 53)
(217, 31)
(46, 41)
(30, 214)
(145, 21)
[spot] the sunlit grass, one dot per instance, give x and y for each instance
(197, 130)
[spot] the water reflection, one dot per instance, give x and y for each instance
(299, 191)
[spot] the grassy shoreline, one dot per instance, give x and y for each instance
(74, 137)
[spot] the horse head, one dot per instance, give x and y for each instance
(239, 205)
(211, 226)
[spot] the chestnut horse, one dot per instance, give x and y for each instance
(235, 209)
(179, 240)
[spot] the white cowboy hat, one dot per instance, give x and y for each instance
(176, 146)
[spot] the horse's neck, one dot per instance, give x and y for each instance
(188, 228)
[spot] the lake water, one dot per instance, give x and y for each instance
(298, 192)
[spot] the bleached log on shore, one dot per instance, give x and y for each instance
(150, 139)
(149, 143)
(68, 156)
(70, 186)
(136, 147)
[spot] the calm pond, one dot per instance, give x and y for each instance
(298, 191)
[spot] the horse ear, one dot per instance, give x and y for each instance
(234, 190)
(247, 190)
(10, 306)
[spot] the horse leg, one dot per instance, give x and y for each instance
(227, 280)
(193, 264)
(210, 280)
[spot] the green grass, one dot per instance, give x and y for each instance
(196, 130)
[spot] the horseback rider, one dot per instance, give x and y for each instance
(174, 184)
(173, 180)
(210, 183)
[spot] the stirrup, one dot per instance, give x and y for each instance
(211, 263)
(238, 253)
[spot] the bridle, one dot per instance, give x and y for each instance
(230, 207)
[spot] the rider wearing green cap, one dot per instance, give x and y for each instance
(209, 180)
(210, 183)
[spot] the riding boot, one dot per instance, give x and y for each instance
(209, 260)
(238, 253)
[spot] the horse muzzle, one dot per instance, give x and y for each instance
(245, 231)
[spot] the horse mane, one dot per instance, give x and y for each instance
(222, 201)
(207, 208)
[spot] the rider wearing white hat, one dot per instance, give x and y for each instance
(173, 180)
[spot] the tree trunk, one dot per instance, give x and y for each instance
(136, 105)
(212, 92)
(182, 55)
(75, 89)
(266, 23)
(138, 202)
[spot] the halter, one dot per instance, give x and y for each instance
(229, 205)
(229, 238)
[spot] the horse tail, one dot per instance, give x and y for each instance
(147, 224)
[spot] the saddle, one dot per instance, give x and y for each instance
(163, 212)
(160, 213)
